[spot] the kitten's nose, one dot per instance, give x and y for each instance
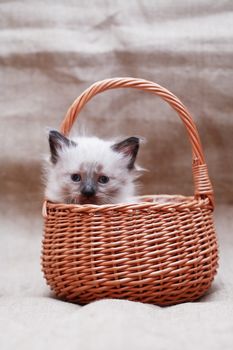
(88, 191)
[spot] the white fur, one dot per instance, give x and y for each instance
(90, 152)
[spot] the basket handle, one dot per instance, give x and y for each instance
(202, 184)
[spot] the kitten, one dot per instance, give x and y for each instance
(88, 170)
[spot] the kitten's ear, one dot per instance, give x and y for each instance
(129, 148)
(57, 141)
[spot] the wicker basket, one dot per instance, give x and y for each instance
(162, 250)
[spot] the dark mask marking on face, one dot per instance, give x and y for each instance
(88, 187)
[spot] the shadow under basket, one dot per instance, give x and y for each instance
(161, 249)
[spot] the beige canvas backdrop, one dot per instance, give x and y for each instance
(51, 52)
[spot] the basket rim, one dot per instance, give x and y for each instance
(185, 203)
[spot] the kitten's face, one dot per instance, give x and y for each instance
(90, 170)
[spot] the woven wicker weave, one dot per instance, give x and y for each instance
(162, 250)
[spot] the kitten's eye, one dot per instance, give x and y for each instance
(76, 177)
(103, 179)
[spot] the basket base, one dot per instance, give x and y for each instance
(159, 300)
